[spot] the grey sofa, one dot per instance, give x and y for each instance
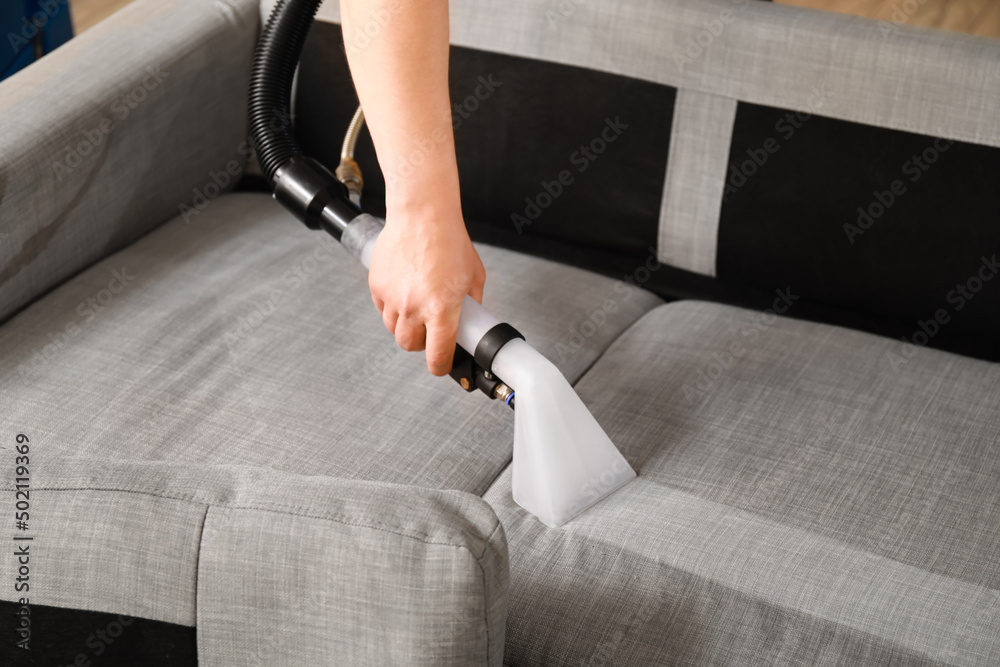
(232, 464)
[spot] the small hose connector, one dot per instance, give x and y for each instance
(349, 173)
(504, 393)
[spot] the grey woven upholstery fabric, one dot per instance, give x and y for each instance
(806, 495)
(272, 568)
(244, 338)
(107, 136)
(696, 172)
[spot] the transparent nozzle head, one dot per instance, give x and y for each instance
(564, 462)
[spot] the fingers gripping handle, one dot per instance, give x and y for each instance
(474, 321)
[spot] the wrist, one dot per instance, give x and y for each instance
(420, 202)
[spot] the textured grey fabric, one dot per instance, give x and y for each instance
(104, 138)
(242, 337)
(399, 579)
(696, 172)
(272, 568)
(806, 495)
(897, 76)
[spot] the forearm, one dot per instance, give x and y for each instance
(401, 76)
(423, 263)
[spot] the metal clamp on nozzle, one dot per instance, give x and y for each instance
(468, 372)
(471, 376)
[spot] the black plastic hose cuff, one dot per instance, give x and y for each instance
(314, 195)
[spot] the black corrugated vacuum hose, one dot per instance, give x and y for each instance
(301, 184)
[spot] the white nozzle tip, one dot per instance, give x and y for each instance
(564, 462)
(564, 505)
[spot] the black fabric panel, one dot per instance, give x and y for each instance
(673, 284)
(929, 223)
(518, 136)
(86, 638)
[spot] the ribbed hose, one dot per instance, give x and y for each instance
(274, 63)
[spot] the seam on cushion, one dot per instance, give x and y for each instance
(508, 463)
(488, 538)
(277, 509)
(197, 574)
(486, 605)
(614, 340)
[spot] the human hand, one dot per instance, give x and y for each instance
(422, 266)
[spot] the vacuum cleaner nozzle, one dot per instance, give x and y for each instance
(564, 462)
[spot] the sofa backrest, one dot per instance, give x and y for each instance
(748, 146)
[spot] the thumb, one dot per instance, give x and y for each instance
(478, 282)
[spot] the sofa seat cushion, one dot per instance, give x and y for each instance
(246, 566)
(806, 495)
(235, 335)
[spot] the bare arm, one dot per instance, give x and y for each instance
(423, 263)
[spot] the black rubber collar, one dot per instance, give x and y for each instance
(491, 343)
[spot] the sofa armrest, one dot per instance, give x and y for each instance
(261, 567)
(107, 136)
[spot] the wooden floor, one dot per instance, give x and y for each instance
(979, 17)
(88, 12)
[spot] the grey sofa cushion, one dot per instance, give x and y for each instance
(242, 337)
(270, 568)
(813, 496)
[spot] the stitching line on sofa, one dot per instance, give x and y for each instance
(277, 509)
(197, 569)
(486, 605)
